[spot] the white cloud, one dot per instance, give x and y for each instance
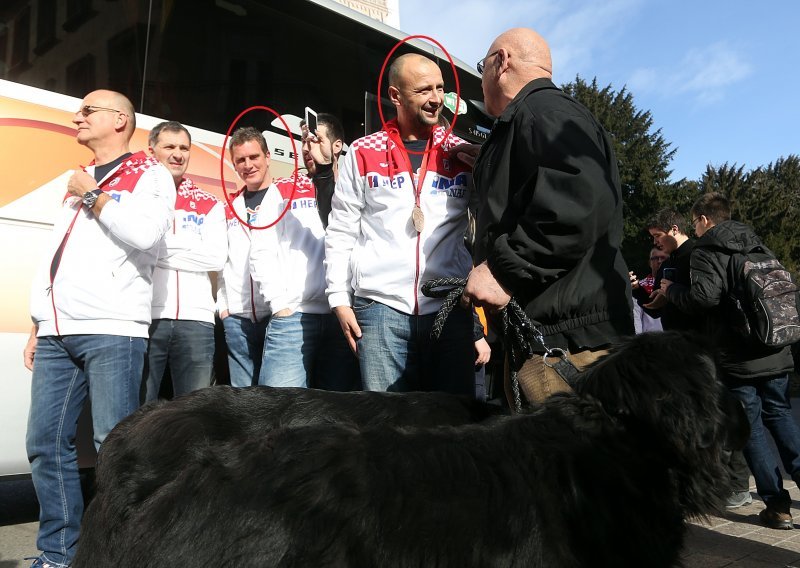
(704, 73)
(467, 28)
(583, 29)
(575, 29)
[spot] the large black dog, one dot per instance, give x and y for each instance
(602, 477)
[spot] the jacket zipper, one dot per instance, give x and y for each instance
(59, 252)
(178, 294)
(253, 300)
(177, 284)
(416, 280)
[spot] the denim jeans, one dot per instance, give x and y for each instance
(396, 351)
(766, 403)
(245, 340)
(188, 347)
(308, 350)
(107, 368)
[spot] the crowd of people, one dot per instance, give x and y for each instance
(330, 296)
(696, 286)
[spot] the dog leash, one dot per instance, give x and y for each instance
(519, 333)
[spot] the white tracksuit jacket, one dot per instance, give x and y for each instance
(287, 260)
(238, 292)
(103, 283)
(372, 249)
(196, 244)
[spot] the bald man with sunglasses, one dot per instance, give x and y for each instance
(90, 305)
(549, 218)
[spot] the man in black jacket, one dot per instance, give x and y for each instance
(549, 214)
(667, 227)
(755, 374)
(321, 151)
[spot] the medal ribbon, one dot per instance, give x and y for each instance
(430, 152)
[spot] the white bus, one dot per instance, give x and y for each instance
(200, 63)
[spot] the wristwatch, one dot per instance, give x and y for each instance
(90, 197)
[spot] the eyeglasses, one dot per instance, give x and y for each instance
(480, 65)
(86, 110)
(658, 258)
(696, 219)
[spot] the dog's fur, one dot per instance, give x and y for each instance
(601, 477)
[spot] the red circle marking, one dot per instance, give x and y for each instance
(458, 89)
(222, 167)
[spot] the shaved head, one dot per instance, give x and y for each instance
(416, 89)
(396, 71)
(118, 101)
(515, 58)
(107, 125)
(530, 48)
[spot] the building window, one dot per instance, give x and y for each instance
(81, 76)
(3, 50)
(21, 42)
(45, 26)
(125, 56)
(78, 12)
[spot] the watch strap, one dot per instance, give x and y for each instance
(90, 197)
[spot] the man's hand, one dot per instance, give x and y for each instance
(665, 284)
(79, 183)
(321, 153)
(466, 152)
(484, 290)
(657, 300)
(483, 350)
(223, 314)
(350, 328)
(634, 280)
(30, 350)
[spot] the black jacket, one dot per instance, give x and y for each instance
(709, 299)
(549, 218)
(672, 317)
(324, 184)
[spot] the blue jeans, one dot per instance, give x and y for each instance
(245, 340)
(396, 351)
(308, 350)
(107, 368)
(766, 403)
(188, 347)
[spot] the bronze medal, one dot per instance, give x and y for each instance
(418, 218)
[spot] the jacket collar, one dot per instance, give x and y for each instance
(535, 85)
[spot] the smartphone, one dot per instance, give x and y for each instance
(311, 122)
(669, 274)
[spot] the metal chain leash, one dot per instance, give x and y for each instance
(519, 333)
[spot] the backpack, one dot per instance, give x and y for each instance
(767, 299)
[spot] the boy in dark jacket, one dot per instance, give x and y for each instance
(755, 374)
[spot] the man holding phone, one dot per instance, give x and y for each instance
(667, 229)
(323, 141)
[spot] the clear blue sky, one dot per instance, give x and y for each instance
(721, 78)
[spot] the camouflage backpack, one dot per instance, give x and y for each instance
(767, 298)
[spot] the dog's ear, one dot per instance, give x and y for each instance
(666, 381)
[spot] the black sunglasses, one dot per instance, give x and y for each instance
(480, 66)
(86, 110)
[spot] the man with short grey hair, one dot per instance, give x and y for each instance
(182, 331)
